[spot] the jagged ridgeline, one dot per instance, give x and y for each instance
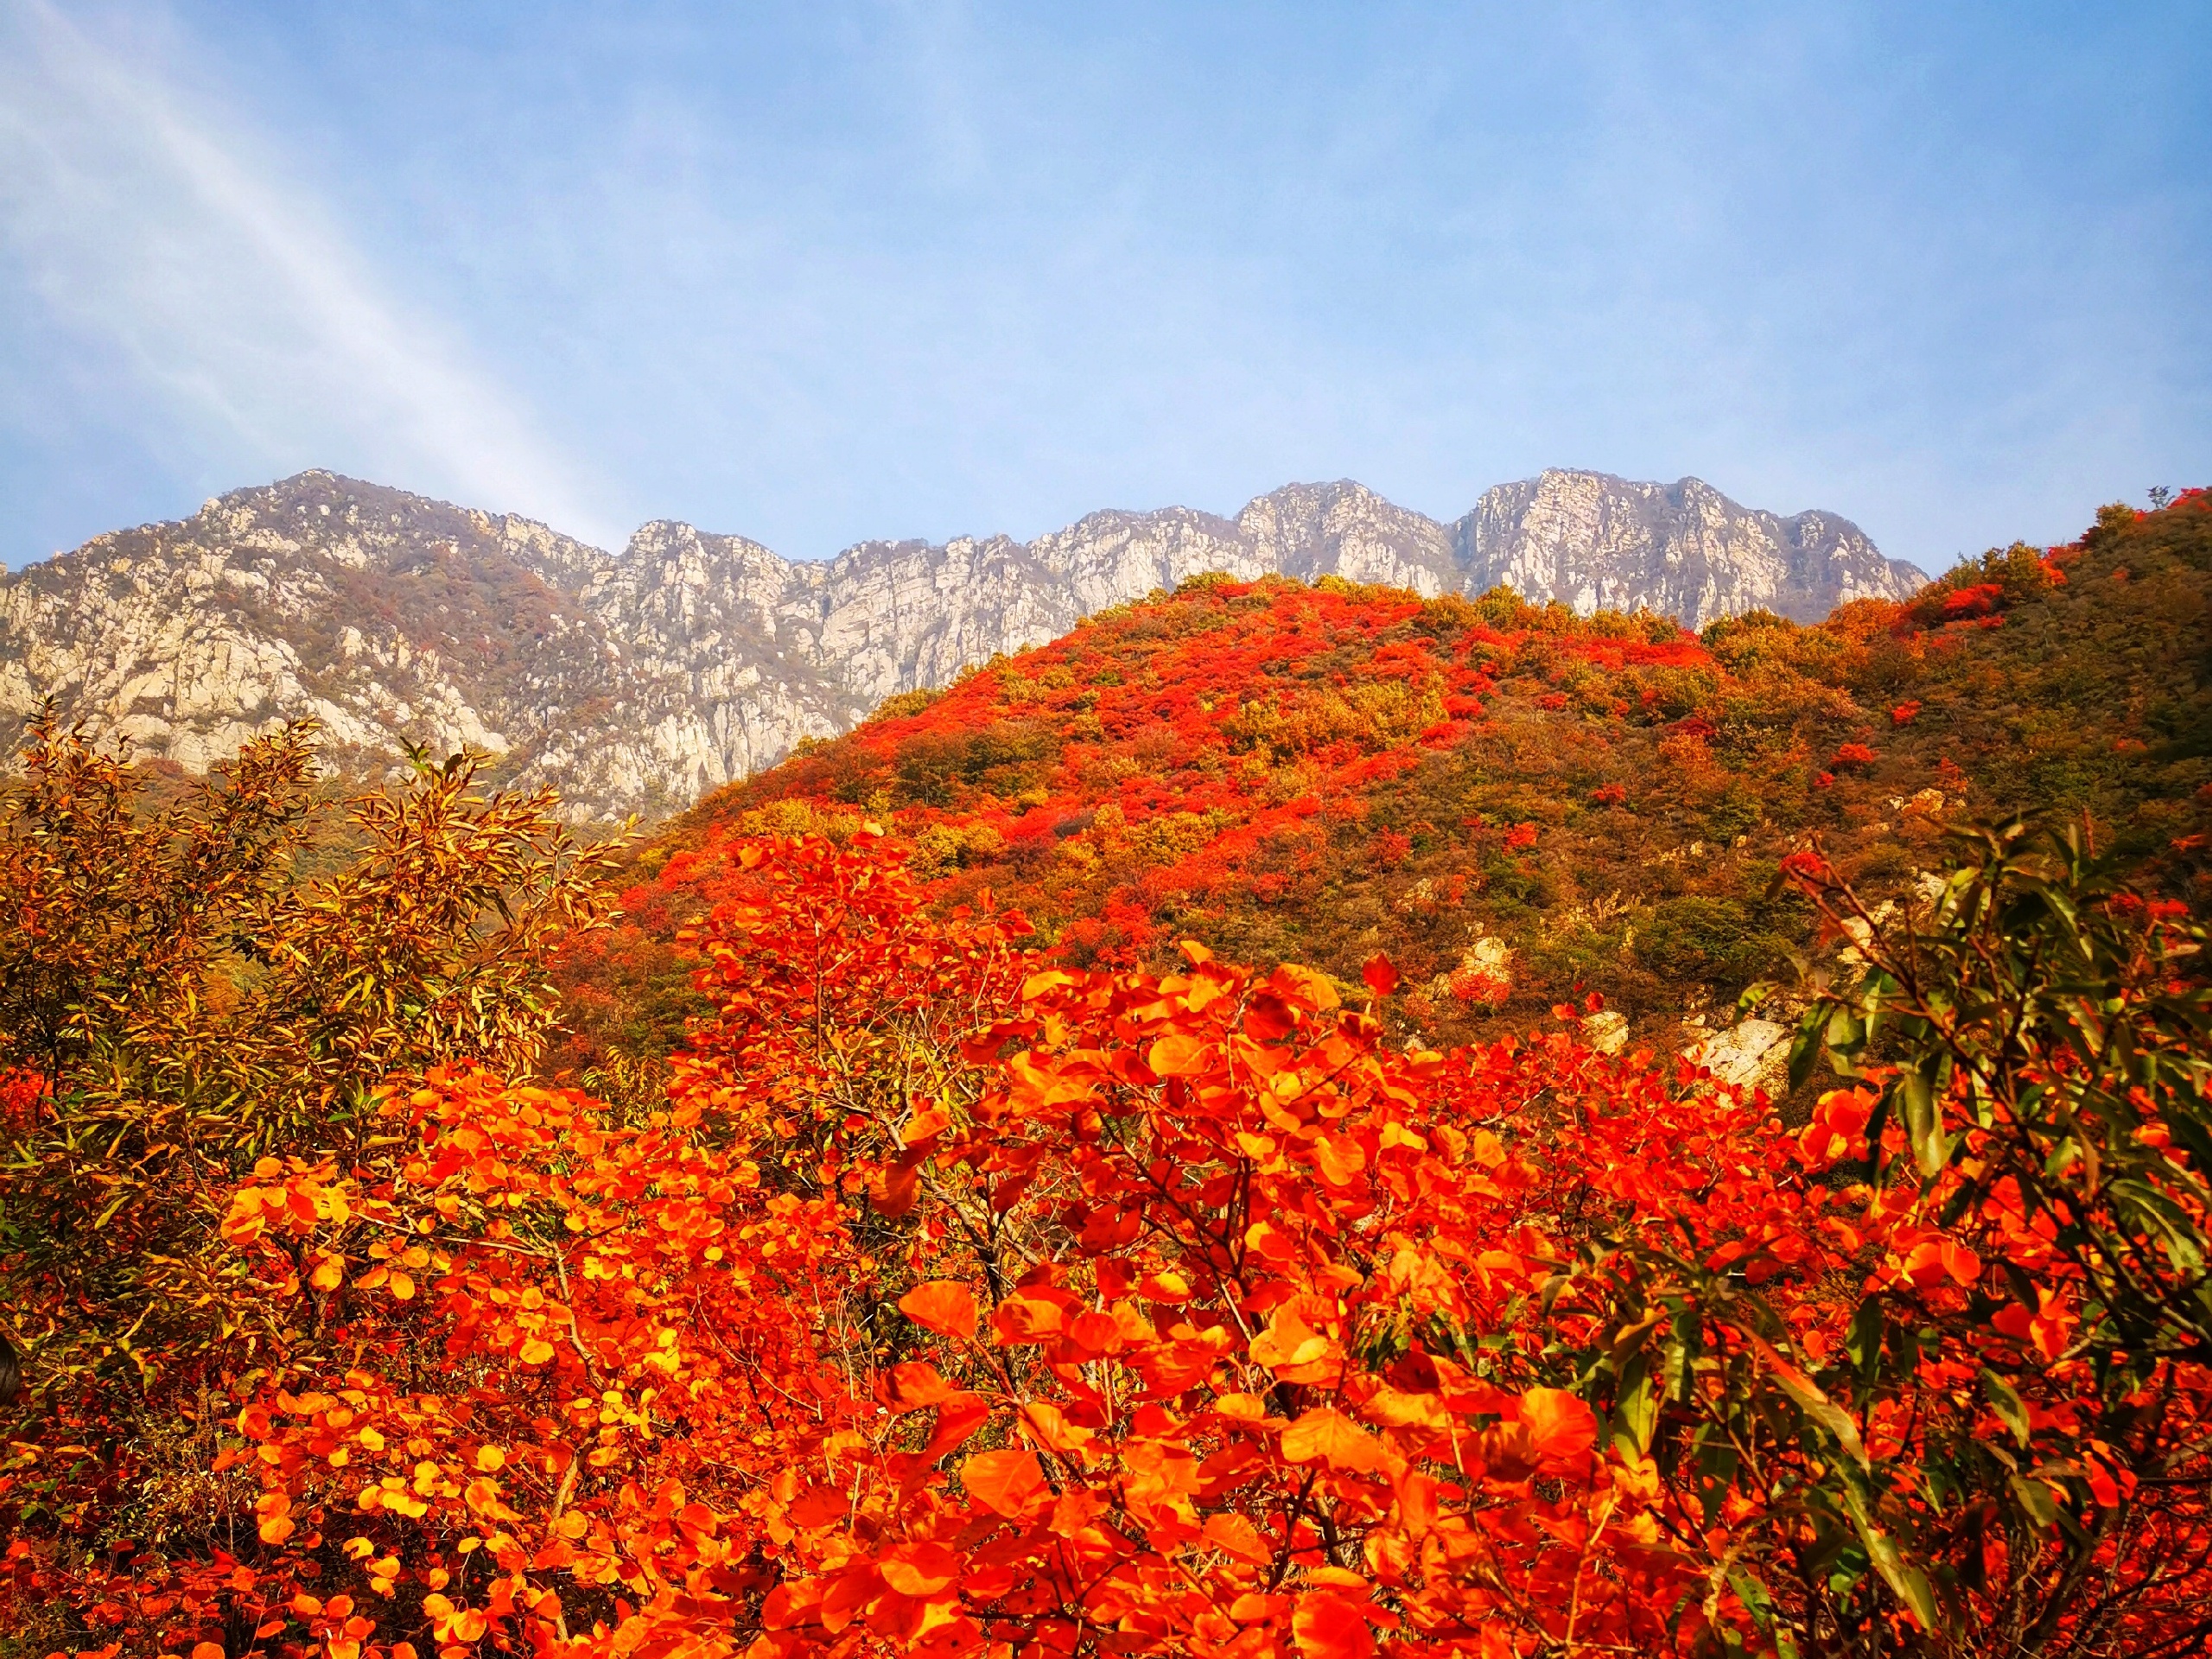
(1519, 805)
(637, 682)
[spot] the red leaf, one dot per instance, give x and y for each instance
(920, 1569)
(1006, 1481)
(961, 1415)
(1563, 1428)
(944, 1305)
(1233, 1534)
(916, 1384)
(1329, 1627)
(1178, 1055)
(1326, 1435)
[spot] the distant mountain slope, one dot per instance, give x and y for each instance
(638, 683)
(1683, 549)
(1520, 807)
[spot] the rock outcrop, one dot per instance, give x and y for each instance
(636, 682)
(1684, 549)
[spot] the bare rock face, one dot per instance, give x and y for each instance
(388, 618)
(637, 682)
(1599, 542)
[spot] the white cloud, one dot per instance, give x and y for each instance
(150, 224)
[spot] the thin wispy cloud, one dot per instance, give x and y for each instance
(149, 226)
(817, 270)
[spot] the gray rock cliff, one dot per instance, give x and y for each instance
(636, 682)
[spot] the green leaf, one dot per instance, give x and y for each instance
(1804, 1050)
(1923, 1123)
(2153, 1212)
(2006, 1400)
(1752, 1594)
(1909, 1582)
(1863, 1340)
(2035, 1499)
(1676, 1369)
(1635, 1408)
(1806, 1395)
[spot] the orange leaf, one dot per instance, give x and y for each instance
(1233, 1534)
(920, 1569)
(1327, 1626)
(1051, 1429)
(916, 1383)
(944, 1305)
(1098, 1332)
(1292, 1349)
(1295, 981)
(1326, 1435)
(1338, 1159)
(1178, 1054)
(1394, 1409)
(208, 1650)
(1004, 1481)
(1563, 1428)
(959, 1416)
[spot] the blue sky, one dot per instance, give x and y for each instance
(819, 272)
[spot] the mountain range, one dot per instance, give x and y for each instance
(635, 682)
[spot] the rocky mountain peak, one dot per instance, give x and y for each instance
(1597, 542)
(1345, 529)
(636, 682)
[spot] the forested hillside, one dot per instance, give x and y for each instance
(1518, 806)
(966, 1285)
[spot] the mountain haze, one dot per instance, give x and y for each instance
(637, 682)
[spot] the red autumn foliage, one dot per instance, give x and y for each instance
(956, 1303)
(1978, 601)
(962, 1297)
(1287, 772)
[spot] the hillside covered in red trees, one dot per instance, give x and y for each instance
(959, 1283)
(952, 1303)
(1518, 806)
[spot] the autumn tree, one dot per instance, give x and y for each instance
(179, 999)
(957, 1301)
